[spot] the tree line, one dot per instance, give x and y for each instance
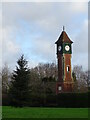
(25, 84)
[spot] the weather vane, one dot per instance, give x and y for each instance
(63, 28)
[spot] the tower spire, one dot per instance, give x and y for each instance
(63, 28)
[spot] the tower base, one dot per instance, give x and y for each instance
(64, 87)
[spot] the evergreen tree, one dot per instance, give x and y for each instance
(19, 91)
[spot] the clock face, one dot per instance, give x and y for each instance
(59, 48)
(67, 48)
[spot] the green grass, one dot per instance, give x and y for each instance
(29, 112)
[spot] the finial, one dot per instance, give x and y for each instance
(63, 28)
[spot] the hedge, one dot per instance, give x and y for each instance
(63, 100)
(72, 100)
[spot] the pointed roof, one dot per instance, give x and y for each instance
(63, 38)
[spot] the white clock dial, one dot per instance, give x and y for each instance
(59, 48)
(67, 48)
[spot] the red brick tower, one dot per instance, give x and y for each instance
(64, 51)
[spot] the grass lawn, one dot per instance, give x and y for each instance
(29, 112)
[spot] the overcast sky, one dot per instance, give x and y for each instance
(32, 29)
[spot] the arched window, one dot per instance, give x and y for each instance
(68, 68)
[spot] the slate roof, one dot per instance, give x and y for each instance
(63, 38)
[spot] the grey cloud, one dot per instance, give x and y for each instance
(49, 19)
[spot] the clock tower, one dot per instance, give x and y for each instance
(64, 51)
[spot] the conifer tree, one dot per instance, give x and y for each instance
(19, 91)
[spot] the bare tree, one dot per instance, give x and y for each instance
(43, 77)
(80, 84)
(6, 77)
(47, 70)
